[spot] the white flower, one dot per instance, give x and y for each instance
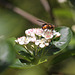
(30, 32)
(54, 31)
(48, 34)
(38, 36)
(39, 31)
(33, 31)
(37, 42)
(46, 44)
(57, 34)
(31, 39)
(42, 43)
(22, 40)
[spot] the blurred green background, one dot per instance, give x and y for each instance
(14, 25)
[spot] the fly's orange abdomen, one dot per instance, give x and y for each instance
(44, 27)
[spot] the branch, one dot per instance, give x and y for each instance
(27, 16)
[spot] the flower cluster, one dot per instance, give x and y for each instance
(38, 36)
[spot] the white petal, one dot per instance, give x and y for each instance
(26, 42)
(16, 40)
(31, 39)
(54, 31)
(46, 44)
(37, 42)
(51, 36)
(32, 34)
(39, 32)
(21, 42)
(42, 45)
(57, 34)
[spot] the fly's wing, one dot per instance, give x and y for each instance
(45, 23)
(42, 21)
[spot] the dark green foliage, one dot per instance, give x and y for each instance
(72, 2)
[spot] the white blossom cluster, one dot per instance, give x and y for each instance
(62, 1)
(38, 36)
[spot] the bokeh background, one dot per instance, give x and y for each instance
(61, 13)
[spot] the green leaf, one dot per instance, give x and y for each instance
(7, 54)
(59, 58)
(59, 45)
(65, 37)
(19, 64)
(23, 54)
(12, 40)
(27, 55)
(20, 48)
(68, 52)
